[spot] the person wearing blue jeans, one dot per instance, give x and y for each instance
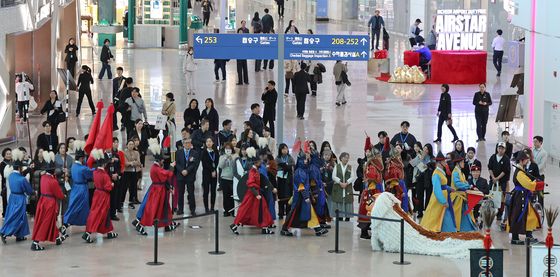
(105, 58)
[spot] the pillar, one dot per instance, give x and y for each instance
(106, 14)
(184, 22)
(131, 20)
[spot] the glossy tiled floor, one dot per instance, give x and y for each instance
(372, 106)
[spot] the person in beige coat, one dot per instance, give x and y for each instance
(290, 68)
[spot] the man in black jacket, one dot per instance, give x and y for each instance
(187, 160)
(242, 76)
(119, 83)
(199, 136)
(444, 113)
(105, 58)
(268, 27)
(123, 94)
(480, 184)
(280, 8)
(269, 98)
(481, 102)
(500, 168)
(47, 140)
(256, 120)
(300, 82)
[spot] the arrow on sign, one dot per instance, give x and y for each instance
(364, 54)
(364, 41)
(198, 39)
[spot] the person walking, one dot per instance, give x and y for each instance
(267, 28)
(291, 29)
(300, 83)
(376, 22)
(280, 4)
(242, 76)
(414, 32)
(23, 88)
(481, 102)
(137, 109)
(84, 81)
(269, 98)
(119, 83)
(444, 113)
(220, 64)
(53, 109)
(256, 24)
(189, 67)
(71, 58)
(290, 68)
(105, 58)
(498, 46)
(313, 70)
(339, 70)
(206, 9)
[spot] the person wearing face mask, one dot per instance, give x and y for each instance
(189, 67)
(226, 165)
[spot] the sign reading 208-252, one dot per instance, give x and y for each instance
(326, 47)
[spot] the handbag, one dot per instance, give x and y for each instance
(289, 75)
(60, 117)
(32, 104)
(496, 195)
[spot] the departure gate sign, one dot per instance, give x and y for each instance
(461, 29)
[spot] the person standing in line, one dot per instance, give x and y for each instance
(187, 163)
(124, 94)
(211, 114)
(226, 165)
(132, 165)
(470, 162)
(290, 68)
(84, 81)
(257, 123)
(226, 134)
(189, 67)
(338, 70)
(116, 168)
(105, 58)
(444, 113)
(220, 64)
(71, 51)
(376, 22)
(209, 159)
(242, 76)
(498, 46)
(48, 140)
(137, 109)
(206, 9)
(267, 28)
(540, 156)
(280, 4)
(256, 24)
(23, 88)
(191, 116)
(499, 168)
(300, 83)
(481, 102)
(119, 83)
(414, 32)
(269, 98)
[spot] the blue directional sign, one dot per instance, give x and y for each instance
(326, 47)
(236, 46)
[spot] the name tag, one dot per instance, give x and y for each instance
(280, 174)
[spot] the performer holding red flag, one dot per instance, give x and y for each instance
(373, 178)
(103, 137)
(94, 129)
(157, 204)
(99, 219)
(45, 228)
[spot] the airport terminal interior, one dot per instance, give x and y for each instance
(509, 47)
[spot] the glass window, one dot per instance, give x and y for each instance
(9, 3)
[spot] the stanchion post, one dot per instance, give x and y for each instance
(155, 262)
(402, 261)
(337, 229)
(528, 255)
(216, 235)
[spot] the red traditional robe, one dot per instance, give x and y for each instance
(99, 219)
(373, 176)
(252, 211)
(45, 228)
(393, 175)
(157, 205)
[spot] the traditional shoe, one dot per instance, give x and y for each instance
(272, 226)
(320, 231)
(59, 240)
(135, 222)
(532, 240)
(21, 239)
(365, 237)
(517, 242)
(286, 233)
(63, 230)
(36, 247)
(169, 228)
(3, 238)
(233, 228)
(267, 231)
(115, 218)
(325, 226)
(86, 236)
(141, 230)
(112, 235)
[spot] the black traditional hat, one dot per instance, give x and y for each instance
(79, 151)
(17, 158)
(48, 157)
(440, 157)
(155, 148)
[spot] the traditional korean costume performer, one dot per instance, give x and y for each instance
(78, 205)
(319, 196)
(373, 180)
(15, 220)
(45, 228)
(439, 215)
(459, 184)
(253, 210)
(394, 178)
(522, 217)
(99, 219)
(157, 205)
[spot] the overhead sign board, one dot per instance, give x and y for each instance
(326, 47)
(236, 46)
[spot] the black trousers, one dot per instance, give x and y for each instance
(270, 123)
(205, 18)
(105, 66)
(22, 109)
(217, 67)
(130, 180)
(258, 65)
(481, 121)
(412, 41)
(313, 86)
(115, 125)
(242, 76)
(4, 200)
(227, 190)
(419, 193)
(281, 10)
(287, 88)
(86, 93)
(209, 189)
(375, 36)
(116, 197)
(441, 121)
(497, 60)
(428, 188)
(300, 99)
(190, 196)
(283, 206)
(71, 66)
(270, 64)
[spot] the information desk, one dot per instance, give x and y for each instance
(453, 67)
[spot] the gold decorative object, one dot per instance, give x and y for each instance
(407, 74)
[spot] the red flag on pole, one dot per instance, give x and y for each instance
(473, 198)
(104, 137)
(94, 129)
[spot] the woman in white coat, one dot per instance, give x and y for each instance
(189, 67)
(241, 167)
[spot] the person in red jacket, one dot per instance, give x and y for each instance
(253, 210)
(157, 205)
(99, 220)
(373, 179)
(45, 228)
